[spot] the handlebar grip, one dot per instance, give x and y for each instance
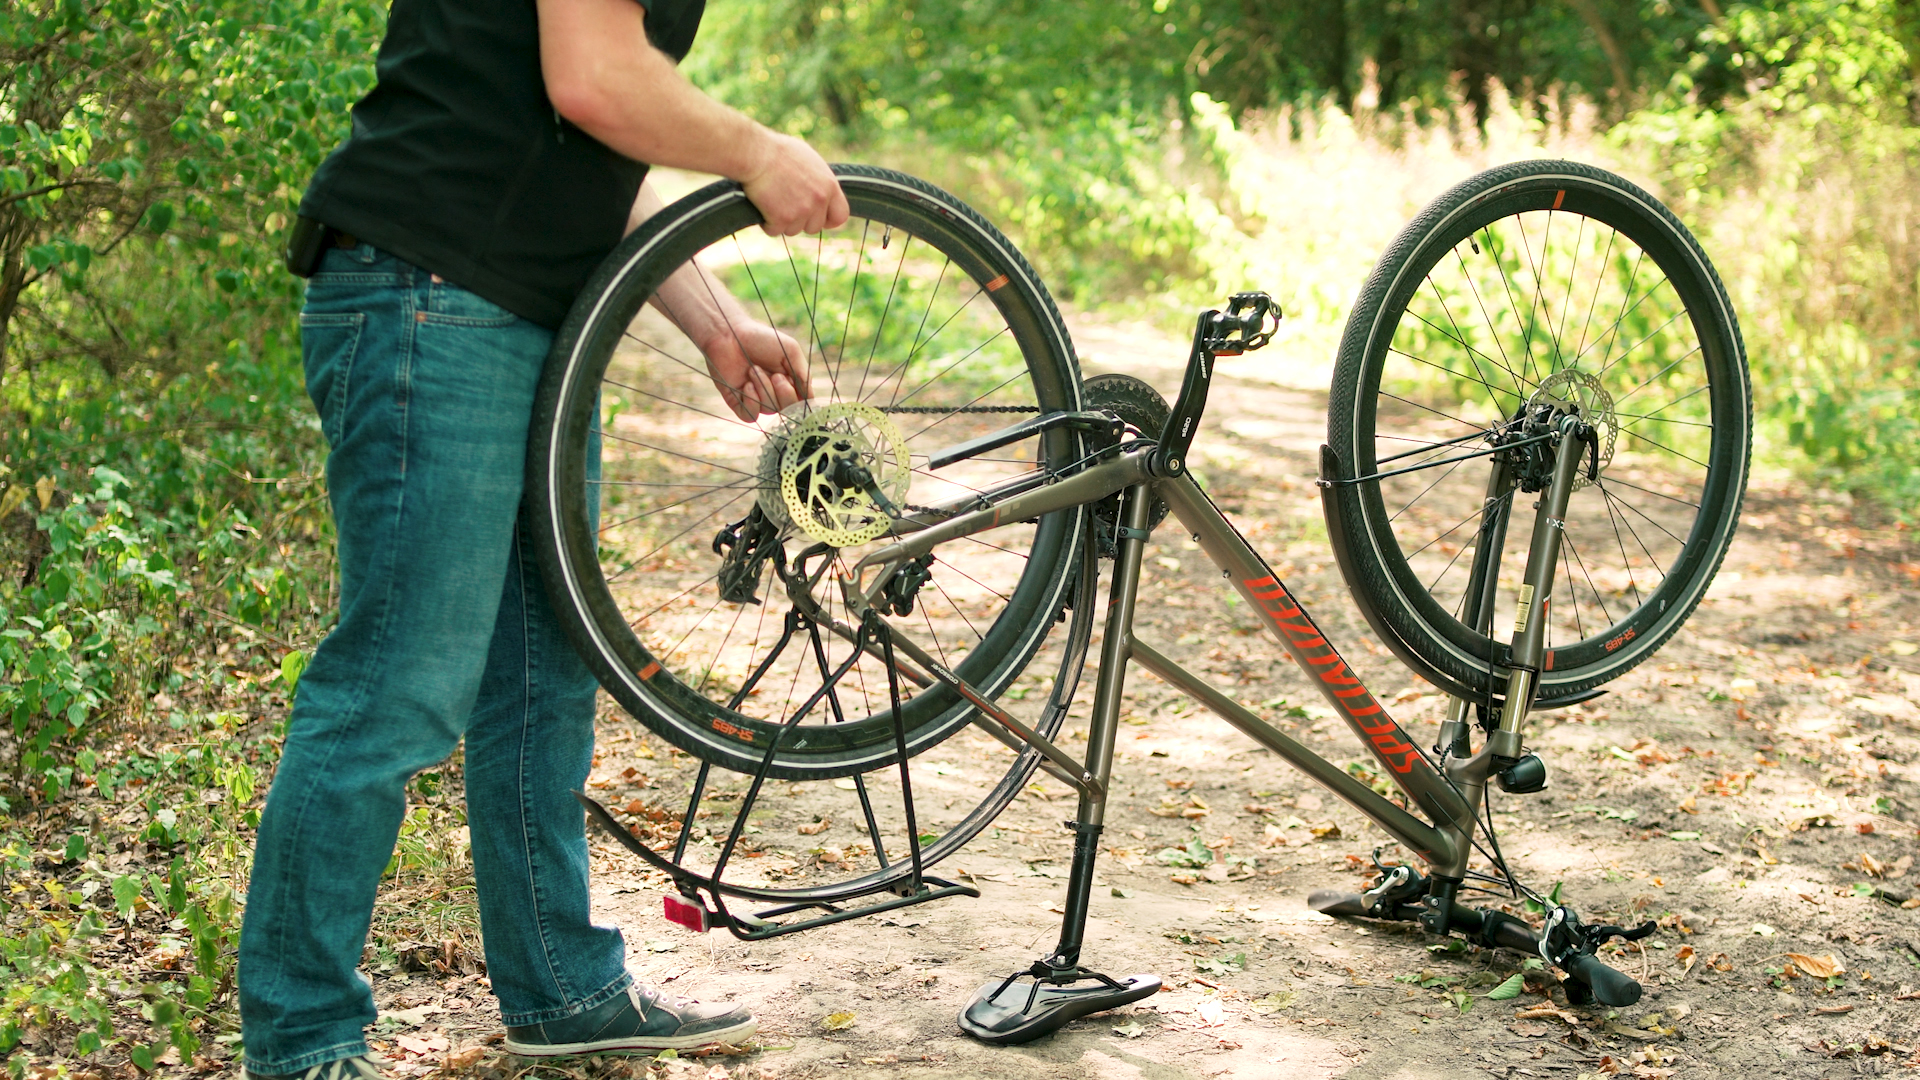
(1610, 987)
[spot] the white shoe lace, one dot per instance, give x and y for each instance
(644, 995)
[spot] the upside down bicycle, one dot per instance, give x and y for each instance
(811, 604)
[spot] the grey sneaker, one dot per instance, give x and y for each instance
(641, 1020)
(353, 1068)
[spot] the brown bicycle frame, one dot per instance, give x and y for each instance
(1449, 801)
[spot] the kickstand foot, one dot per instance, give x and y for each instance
(1012, 1010)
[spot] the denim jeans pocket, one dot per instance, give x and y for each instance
(450, 305)
(328, 344)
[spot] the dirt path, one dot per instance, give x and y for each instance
(1748, 788)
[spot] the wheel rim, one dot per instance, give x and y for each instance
(923, 328)
(905, 309)
(1566, 289)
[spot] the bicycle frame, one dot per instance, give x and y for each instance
(1448, 796)
(1451, 800)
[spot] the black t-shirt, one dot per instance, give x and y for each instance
(459, 164)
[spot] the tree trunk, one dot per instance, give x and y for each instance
(1474, 57)
(1616, 57)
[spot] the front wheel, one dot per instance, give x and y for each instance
(1539, 282)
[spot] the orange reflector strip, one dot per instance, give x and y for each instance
(649, 672)
(995, 284)
(1558, 198)
(1549, 663)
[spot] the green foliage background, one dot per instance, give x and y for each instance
(164, 550)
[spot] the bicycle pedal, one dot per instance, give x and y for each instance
(688, 912)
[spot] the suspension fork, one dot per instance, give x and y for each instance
(1469, 772)
(1536, 588)
(1483, 579)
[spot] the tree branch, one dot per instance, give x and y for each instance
(30, 193)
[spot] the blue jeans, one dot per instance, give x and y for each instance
(425, 393)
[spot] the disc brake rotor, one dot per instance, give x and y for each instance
(1581, 394)
(843, 473)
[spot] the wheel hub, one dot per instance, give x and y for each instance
(1581, 394)
(838, 473)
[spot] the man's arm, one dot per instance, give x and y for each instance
(603, 74)
(756, 368)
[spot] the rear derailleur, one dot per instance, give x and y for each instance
(745, 547)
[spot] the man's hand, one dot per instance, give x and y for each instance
(793, 187)
(756, 368)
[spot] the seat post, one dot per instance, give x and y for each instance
(1115, 651)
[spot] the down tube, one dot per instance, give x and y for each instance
(1289, 622)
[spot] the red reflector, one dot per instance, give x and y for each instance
(681, 911)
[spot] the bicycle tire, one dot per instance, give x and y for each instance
(666, 693)
(1386, 397)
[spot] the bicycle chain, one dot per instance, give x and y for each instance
(929, 410)
(941, 410)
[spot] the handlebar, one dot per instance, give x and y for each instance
(1610, 987)
(1497, 928)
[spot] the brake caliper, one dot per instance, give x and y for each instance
(1396, 885)
(905, 584)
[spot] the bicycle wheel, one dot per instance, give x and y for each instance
(1539, 282)
(695, 557)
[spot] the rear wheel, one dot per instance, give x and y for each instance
(695, 558)
(1539, 283)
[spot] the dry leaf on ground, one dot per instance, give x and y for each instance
(1820, 967)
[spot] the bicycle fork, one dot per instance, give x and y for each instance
(1502, 757)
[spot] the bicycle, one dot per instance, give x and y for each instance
(1546, 323)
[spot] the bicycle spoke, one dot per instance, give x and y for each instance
(1480, 302)
(853, 291)
(1629, 484)
(1423, 492)
(874, 346)
(710, 515)
(1594, 301)
(914, 349)
(1643, 437)
(1649, 520)
(1633, 581)
(676, 453)
(717, 489)
(1539, 283)
(1428, 408)
(1449, 532)
(1598, 600)
(1506, 282)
